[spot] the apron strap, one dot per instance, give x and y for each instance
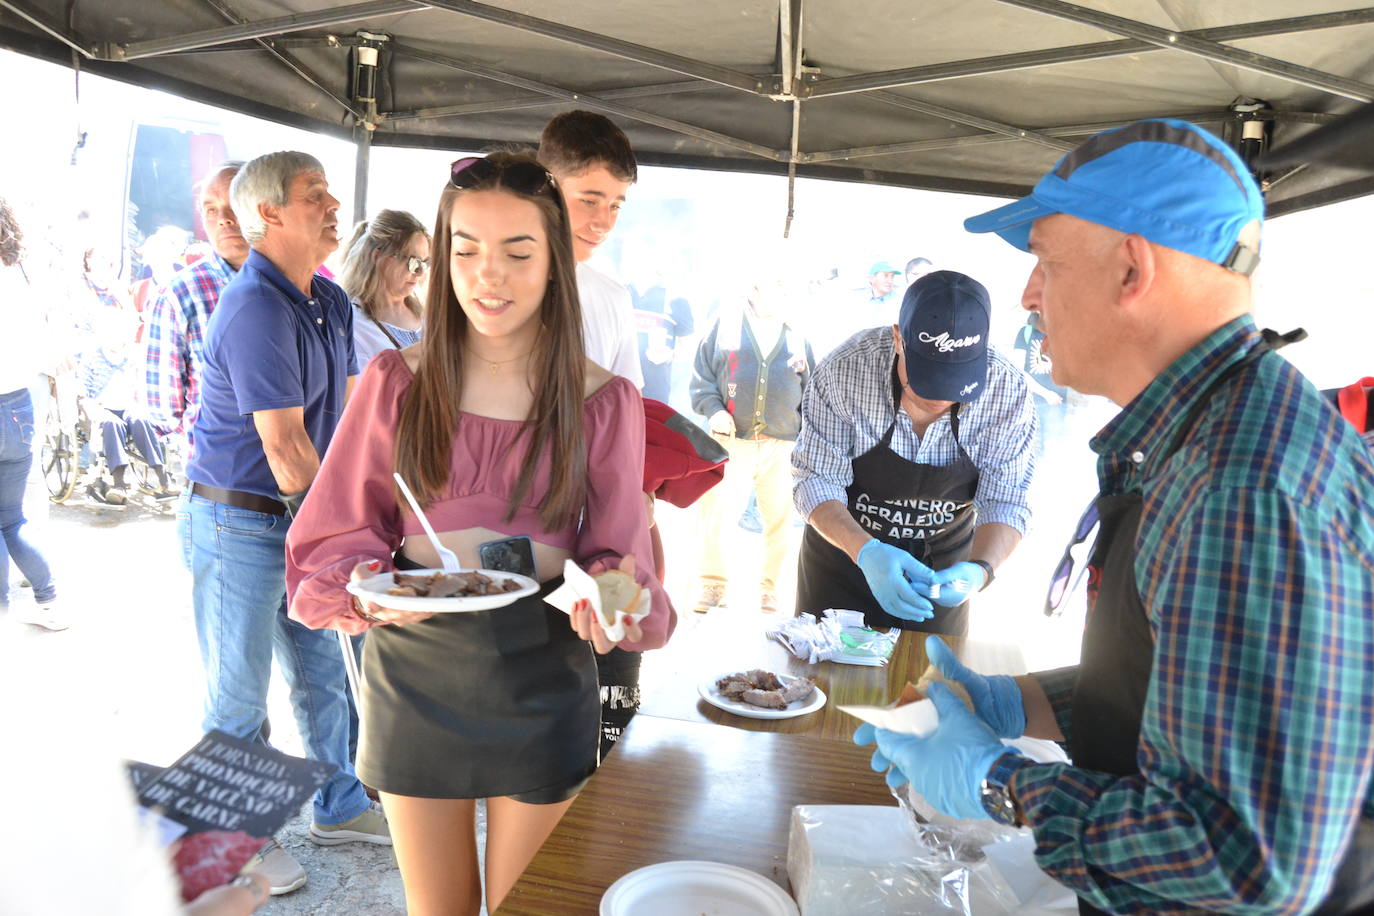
(897, 411)
(1269, 340)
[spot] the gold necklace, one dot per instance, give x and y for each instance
(495, 365)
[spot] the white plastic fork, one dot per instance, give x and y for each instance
(447, 558)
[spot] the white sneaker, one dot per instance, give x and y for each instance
(283, 873)
(44, 615)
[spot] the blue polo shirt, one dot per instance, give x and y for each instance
(268, 346)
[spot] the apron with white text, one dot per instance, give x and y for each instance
(923, 509)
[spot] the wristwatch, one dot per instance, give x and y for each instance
(997, 803)
(987, 568)
(993, 791)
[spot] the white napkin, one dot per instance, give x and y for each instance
(578, 585)
(919, 718)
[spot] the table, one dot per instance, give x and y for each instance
(675, 789)
(723, 643)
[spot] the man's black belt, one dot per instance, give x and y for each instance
(239, 499)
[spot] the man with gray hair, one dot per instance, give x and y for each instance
(278, 367)
(176, 321)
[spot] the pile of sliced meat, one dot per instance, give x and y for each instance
(763, 688)
(450, 585)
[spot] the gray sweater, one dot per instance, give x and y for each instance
(761, 391)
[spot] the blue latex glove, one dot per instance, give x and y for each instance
(899, 581)
(948, 766)
(997, 699)
(959, 581)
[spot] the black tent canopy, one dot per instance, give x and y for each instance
(977, 96)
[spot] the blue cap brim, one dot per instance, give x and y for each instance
(1012, 222)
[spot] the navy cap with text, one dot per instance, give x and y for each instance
(944, 327)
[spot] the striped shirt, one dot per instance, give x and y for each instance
(847, 407)
(175, 354)
(1255, 565)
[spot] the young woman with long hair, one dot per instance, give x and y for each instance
(501, 427)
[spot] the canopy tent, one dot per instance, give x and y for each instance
(976, 96)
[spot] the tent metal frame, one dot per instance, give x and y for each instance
(790, 81)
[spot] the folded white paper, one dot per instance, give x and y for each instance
(578, 585)
(919, 718)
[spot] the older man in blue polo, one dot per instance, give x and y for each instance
(913, 464)
(1221, 719)
(279, 364)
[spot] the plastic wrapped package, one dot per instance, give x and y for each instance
(838, 636)
(879, 861)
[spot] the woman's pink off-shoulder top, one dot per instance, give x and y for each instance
(351, 515)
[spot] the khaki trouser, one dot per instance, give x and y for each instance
(765, 465)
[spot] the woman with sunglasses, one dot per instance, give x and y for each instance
(502, 427)
(386, 260)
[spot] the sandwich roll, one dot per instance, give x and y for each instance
(615, 597)
(619, 595)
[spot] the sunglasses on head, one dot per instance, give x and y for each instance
(413, 264)
(524, 176)
(1063, 573)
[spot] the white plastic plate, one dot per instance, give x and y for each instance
(707, 689)
(374, 589)
(690, 888)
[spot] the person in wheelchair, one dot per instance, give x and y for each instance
(108, 404)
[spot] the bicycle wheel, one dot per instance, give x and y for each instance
(59, 465)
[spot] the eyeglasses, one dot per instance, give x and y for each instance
(413, 264)
(524, 176)
(1063, 573)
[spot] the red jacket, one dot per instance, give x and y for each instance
(681, 461)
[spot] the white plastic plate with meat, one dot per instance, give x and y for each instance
(374, 588)
(710, 694)
(688, 888)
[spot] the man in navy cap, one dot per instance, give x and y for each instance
(1221, 722)
(913, 463)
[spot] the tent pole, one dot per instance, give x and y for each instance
(362, 137)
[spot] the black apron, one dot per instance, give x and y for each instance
(920, 508)
(1118, 655)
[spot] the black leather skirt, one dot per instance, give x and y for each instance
(480, 704)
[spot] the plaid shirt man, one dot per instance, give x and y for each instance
(1255, 564)
(175, 335)
(847, 406)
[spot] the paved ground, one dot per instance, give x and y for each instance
(132, 637)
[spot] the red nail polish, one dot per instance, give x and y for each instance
(375, 565)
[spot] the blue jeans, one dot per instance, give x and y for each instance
(16, 459)
(238, 570)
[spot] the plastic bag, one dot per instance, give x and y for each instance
(839, 636)
(845, 859)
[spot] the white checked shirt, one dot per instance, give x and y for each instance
(848, 407)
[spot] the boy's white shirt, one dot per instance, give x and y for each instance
(608, 326)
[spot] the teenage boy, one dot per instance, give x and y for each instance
(592, 162)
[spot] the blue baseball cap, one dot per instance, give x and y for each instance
(882, 267)
(1169, 181)
(944, 326)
